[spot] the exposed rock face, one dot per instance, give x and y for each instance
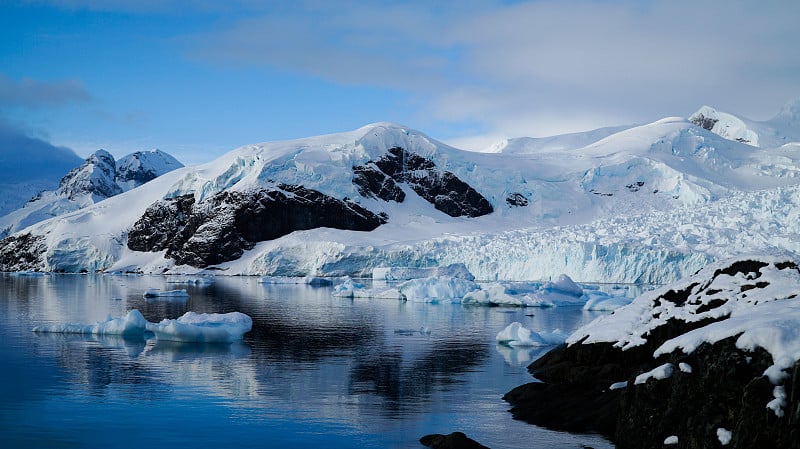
(140, 167)
(455, 440)
(715, 391)
(516, 200)
(96, 177)
(441, 188)
(222, 227)
(22, 253)
(704, 122)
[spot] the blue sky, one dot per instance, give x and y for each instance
(198, 78)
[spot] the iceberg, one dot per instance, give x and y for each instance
(132, 324)
(492, 294)
(203, 327)
(437, 289)
(517, 335)
(348, 289)
(599, 301)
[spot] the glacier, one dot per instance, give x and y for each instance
(649, 203)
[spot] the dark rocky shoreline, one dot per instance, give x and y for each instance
(716, 394)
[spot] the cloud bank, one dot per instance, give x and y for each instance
(533, 67)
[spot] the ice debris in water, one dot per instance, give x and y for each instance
(348, 288)
(157, 293)
(203, 327)
(517, 335)
(132, 324)
(191, 327)
(437, 289)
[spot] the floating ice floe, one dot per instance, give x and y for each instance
(132, 324)
(348, 289)
(493, 294)
(437, 289)
(193, 281)
(203, 327)
(179, 294)
(517, 335)
(600, 301)
(190, 327)
(457, 270)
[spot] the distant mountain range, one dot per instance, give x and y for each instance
(98, 178)
(638, 203)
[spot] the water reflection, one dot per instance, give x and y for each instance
(347, 367)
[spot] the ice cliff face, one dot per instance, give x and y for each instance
(100, 177)
(649, 203)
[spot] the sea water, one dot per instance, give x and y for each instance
(315, 371)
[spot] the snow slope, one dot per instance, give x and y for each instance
(649, 203)
(780, 130)
(98, 178)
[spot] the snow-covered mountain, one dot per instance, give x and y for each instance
(29, 165)
(782, 129)
(649, 203)
(98, 178)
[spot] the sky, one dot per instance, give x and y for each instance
(199, 78)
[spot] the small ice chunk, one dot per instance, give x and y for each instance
(659, 373)
(132, 324)
(724, 436)
(618, 385)
(203, 327)
(685, 368)
(157, 293)
(517, 335)
(670, 440)
(347, 289)
(317, 281)
(435, 289)
(492, 294)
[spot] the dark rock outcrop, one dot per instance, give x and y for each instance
(443, 189)
(704, 122)
(715, 388)
(516, 200)
(455, 440)
(222, 227)
(22, 253)
(370, 181)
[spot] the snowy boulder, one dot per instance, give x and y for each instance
(437, 289)
(517, 335)
(203, 327)
(719, 347)
(132, 324)
(457, 270)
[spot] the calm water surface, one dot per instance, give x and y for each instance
(316, 371)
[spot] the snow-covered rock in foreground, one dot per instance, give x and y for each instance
(515, 334)
(203, 327)
(722, 347)
(131, 325)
